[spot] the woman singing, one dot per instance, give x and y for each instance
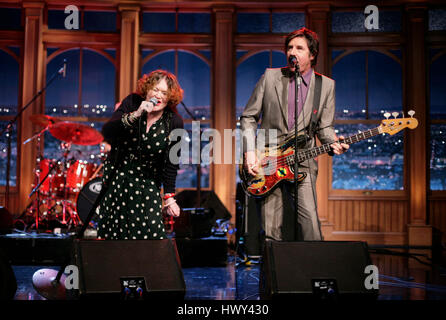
(139, 163)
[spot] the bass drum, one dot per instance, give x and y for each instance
(86, 199)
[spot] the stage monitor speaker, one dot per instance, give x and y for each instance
(8, 283)
(331, 270)
(208, 200)
(6, 221)
(194, 223)
(105, 264)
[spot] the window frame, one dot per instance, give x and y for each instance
(4, 44)
(367, 194)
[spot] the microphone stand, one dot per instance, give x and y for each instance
(297, 82)
(9, 126)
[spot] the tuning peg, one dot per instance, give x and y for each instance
(411, 113)
(395, 114)
(387, 115)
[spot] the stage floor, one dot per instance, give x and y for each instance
(403, 276)
(211, 273)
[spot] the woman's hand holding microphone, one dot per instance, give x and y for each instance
(144, 108)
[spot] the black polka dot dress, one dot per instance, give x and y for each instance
(131, 208)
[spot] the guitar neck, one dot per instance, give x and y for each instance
(325, 148)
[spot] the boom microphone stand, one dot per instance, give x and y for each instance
(9, 126)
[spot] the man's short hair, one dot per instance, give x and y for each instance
(312, 41)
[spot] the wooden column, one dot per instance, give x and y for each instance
(318, 21)
(223, 106)
(129, 50)
(419, 232)
(32, 82)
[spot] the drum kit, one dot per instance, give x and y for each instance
(65, 188)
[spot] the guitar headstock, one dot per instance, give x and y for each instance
(392, 126)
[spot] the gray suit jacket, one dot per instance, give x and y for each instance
(269, 105)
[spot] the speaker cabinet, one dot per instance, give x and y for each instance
(315, 270)
(103, 264)
(208, 200)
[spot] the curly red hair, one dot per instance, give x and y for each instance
(149, 81)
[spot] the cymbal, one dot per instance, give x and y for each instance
(45, 284)
(76, 133)
(43, 119)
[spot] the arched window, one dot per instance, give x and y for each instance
(250, 68)
(193, 72)
(368, 84)
(9, 91)
(86, 95)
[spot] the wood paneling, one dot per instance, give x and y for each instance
(64, 38)
(378, 221)
(437, 216)
(129, 50)
(223, 108)
(176, 41)
(416, 89)
(375, 221)
(32, 83)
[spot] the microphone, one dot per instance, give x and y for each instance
(63, 70)
(154, 102)
(64, 73)
(292, 60)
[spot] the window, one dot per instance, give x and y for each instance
(388, 21)
(274, 22)
(86, 95)
(171, 22)
(249, 70)
(193, 73)
(368, 84)
(10, 19)
(9, 94)
(437, 19)
(93, 21)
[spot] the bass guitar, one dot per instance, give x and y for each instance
(277, 163)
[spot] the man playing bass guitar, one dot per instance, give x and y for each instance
(273, 101)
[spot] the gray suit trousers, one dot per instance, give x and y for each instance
(279, 216)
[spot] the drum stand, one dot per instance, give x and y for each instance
(68, 208)
(35, 204)
(69, 214)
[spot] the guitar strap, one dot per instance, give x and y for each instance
(316, 101)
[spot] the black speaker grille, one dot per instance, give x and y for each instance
(291, 266)
(103, 263)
